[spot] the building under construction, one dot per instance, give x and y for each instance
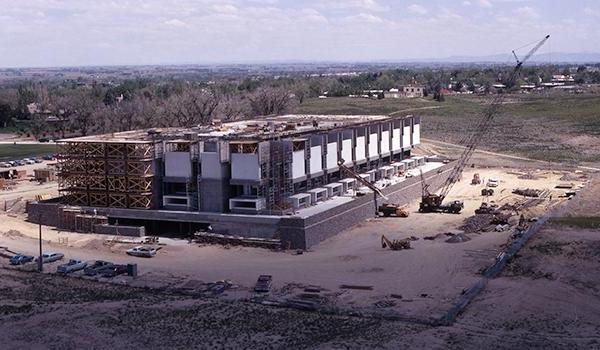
(249, 178)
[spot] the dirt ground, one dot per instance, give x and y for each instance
(417, 285)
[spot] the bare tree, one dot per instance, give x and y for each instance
(78, 112)
(233, 107)
(137, 113)
(193, 106)
(270, 101)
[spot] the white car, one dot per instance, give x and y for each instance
(29, 161)
(4, 165)
(492, 182)
(142, 252)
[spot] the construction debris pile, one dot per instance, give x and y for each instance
(477, 222)
(527, 192)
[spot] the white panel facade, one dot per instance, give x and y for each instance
(178, 164)
(385, 141)
(298, 167)
(347, 151)
(396, 142)
(416, 134)
(316, 162)
(332, 155)
(406, 137)
(244, 167)
(373, 149)
(360, 148)
(210, 165)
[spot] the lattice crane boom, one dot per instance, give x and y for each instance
(484, 124)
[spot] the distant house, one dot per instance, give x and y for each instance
(408, 91)
(564, 79)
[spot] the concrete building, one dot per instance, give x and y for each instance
(251, 178)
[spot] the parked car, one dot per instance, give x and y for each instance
(263, 284)
(114, 270)
(4, 165)
(50, 257)
(12, 163)
(492, 182)
(29, 161)
(20, 259)
(92, 270)
(72, 266)
(47, 157)
(143, 252)
(19, 162)
(44, 139)
(38, 160)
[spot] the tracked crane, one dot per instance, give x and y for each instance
(431, 202)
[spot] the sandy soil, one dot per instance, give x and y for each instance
(429, 278)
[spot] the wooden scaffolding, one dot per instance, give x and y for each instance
(107, 174)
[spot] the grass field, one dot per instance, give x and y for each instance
(562, 128)
(11, 152)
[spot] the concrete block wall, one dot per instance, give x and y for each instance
(48, 214)
(129, 231)
(304, 233)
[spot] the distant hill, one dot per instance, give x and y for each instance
(556, 57)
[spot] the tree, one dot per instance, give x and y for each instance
(270, 101)
(25, 96)
(193, 106)
(6, 114)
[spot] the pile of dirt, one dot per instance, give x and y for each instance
(476, 223)
(458, 238)
(12, 234)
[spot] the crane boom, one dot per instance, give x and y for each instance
(484, 124)
(360, 179)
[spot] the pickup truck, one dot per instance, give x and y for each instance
(96, 267)
(50, 257)
(72, 266)
(20, 259)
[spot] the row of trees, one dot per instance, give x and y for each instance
(80, 108)
(84, 111)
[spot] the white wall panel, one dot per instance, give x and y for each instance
(316, 162)
(332, 156)
(406, 137)
(244, 167)
(178, 164)
(396, 142)
(417, 134)
(347, 151)
(385, 141)
(298, 167)
(373, 147)
(360, 148)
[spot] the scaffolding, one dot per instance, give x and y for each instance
(103, 174)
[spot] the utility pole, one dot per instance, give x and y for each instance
(40, 261)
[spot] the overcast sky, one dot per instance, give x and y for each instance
(97, 32)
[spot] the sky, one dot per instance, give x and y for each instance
(48, 33)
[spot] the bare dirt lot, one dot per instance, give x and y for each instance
(415, 285)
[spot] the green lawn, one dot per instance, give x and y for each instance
(11, 152)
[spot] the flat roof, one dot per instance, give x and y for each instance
(258, 129)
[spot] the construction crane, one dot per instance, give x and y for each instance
(431, 202)
(376, 191)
